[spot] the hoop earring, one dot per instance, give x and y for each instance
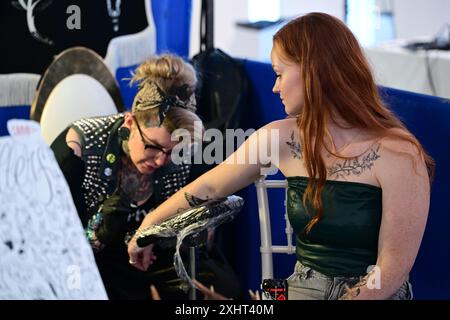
(124, 133)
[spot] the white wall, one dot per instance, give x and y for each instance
(415, 18)
(226, 14)
(251, 44)
(291, 8)
(194, 43)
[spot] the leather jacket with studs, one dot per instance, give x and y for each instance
(93, 178)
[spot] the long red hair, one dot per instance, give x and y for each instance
(337, 81)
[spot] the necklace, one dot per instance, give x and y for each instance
(114, 14)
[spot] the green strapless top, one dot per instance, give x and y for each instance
(345, 241)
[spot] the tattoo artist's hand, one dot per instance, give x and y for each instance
(140, 258)
(208, 293)
(115, 210)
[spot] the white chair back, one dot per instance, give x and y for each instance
(76, 85)
(267, 248)
(76, 96)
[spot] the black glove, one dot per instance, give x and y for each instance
(197, 239)
(115, 210)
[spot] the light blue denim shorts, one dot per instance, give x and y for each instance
(308, 284)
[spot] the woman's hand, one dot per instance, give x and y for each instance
(140, 258)
(208, 293)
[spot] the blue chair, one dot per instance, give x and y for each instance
(425, 116)
(12, 112)
(173, 24)
(17, 91)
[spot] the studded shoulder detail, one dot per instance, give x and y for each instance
(99, 136)
(95, 133)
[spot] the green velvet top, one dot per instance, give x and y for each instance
(345, 241)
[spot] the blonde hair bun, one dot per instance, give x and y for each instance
(172, 74)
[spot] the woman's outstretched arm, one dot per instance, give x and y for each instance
(236, 172)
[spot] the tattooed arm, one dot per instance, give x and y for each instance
(192, 200)
(239, 170)
(354, 293)
(406, 194)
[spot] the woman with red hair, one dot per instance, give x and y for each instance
(358, 180)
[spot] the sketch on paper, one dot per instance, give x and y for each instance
(44, 253)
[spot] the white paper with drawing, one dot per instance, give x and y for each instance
(43, 250)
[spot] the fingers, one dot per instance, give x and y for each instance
(145, 260)
(254, 295)
(208, 293)
(154, 293)
(140, 258)
(135, 260)
(152, 258)
(138, 263)
(147, 257)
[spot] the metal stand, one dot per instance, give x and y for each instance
(192, 292)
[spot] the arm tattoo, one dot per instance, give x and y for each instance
(193, 200)
(295, 147)
(355, 291)
(355, 166)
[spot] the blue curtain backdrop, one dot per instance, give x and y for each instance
(173, 24)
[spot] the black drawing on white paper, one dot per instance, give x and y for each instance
(44, 251)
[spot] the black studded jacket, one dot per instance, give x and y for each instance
(94, 177)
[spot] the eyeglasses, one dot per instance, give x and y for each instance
(150, 146)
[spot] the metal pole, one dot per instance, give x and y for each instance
(210, 24)
(192, 292)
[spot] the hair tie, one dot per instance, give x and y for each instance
(150, 96)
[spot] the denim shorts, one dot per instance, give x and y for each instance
(308, 284)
